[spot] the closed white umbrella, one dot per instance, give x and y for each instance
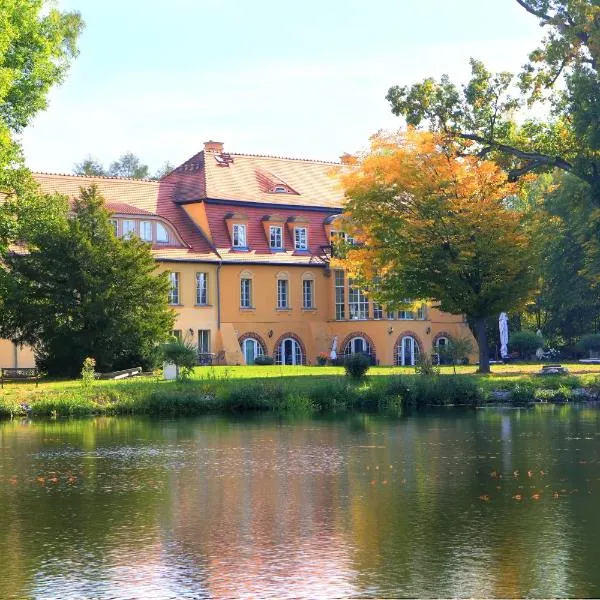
(333, 353)
(503, 326)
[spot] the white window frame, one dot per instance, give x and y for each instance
(301, 238)
(127, 228)
(308, 293)
(276, 237)
(203, 341)
(358, 303)
(201, 288)
(162, 234)
(377, 311)
(340, 295)
(174, 290)
(246, 292)
(283, 294)
(146, 231)
(239, 235)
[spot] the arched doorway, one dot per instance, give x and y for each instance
(357, 345)
(441, 343)
(407, 351)
(289, 352)
(251, 348)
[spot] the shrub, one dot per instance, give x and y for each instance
(589, 342)
(525, 343)
(264, 360)
(445, 390)
(522, 393)
(456, 352)
(88, 373)
(427, 366)
(357, 365)
(181, 354)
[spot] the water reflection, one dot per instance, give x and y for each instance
(478, 503)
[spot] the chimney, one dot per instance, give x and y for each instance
(211, 146)
(348, 159)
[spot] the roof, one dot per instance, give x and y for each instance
(133, 196)
(250, 178)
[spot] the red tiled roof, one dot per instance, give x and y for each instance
(126, 209)
(248, 178)
(145, 197)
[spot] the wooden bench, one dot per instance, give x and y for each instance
(19, 374)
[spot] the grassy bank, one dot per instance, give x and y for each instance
(292, 389)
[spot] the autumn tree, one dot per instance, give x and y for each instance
(439, 227)
(562, 74)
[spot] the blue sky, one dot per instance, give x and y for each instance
(302, 79)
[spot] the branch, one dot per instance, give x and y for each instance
(533, 11)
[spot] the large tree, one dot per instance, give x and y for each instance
(127, 165)
(562, 73)
(80, 291)
(439, 227)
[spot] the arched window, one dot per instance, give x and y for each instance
(357, 345)
(251, 348)
(289, 350)
(162, 235)
(407, 351)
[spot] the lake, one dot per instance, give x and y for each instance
(487, 502)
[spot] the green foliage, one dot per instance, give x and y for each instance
(357, 365)
(88, 372)
(427, 365)
(130, 166)
(562, 72)
(264, 360)
(182, 354)
(522, 394)
(456, 351)
(90, 167)
(589, 342)
(80, 292)
(525, 343)
(446, 390)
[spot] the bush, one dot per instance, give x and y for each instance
(525, 343)
(522, 394)
(264, 360)
(357, 365)
(445, 390)
(426, 366)
(589, 342)
(181, 354)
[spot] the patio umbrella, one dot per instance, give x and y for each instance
(503, 326)
(333, 353)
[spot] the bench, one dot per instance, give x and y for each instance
(19, 374)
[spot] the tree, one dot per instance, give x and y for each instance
(457, 350)
(436, 226)
(82, 292)
(90, 167)
(128, 165)
(562, 73)
(163, 171)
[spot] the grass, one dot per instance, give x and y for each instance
(288, 389)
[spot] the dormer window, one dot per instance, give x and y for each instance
(281, 189)
(128, 228)
(276, 237)
(239, 235)
(162, 235)
(301, 238)
(146, 231)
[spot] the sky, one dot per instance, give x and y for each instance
(300, 79)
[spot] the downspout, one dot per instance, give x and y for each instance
(219, 294)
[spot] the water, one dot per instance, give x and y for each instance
(490, 502)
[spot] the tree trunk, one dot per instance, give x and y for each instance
(484, 352)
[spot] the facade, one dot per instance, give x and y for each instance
(247, 242)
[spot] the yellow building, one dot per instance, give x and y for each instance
(247, 241)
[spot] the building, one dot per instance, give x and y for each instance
(247, 242)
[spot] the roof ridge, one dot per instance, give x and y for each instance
(311, 160)
(105, 177)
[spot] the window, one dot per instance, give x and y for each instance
(358, 303)
(174, 291)
(300, 238)
(203, 341)
(162, 235)
(406, 315)
(340, 297)
(377, 311)
(275, 237)
(201, 288)
(239, 236)
(421, 312)
(308, 293)
(357, 345)
(127, 228)
(177, 333)
(246, 292)
(280, 189)
(115, 225)
(282, 293)
(146, 231)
